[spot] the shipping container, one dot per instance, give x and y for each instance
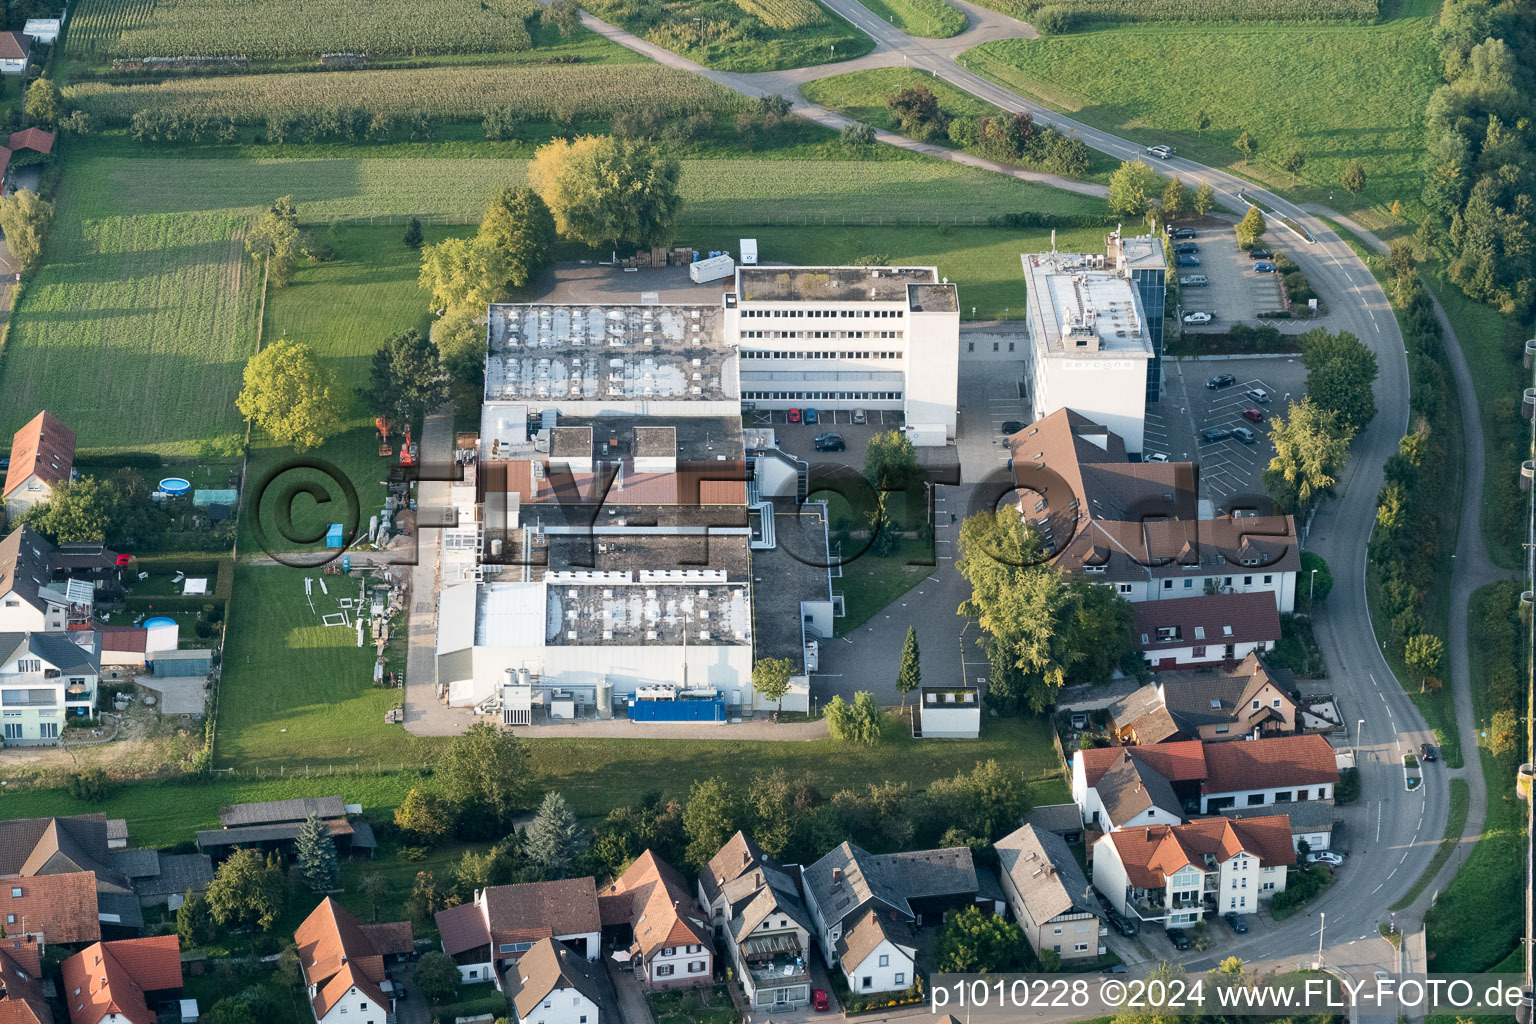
(715, 268)
(677, 710)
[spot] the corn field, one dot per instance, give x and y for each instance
(785, 14)
(1202, 10)
(559, 92)
(288, 28)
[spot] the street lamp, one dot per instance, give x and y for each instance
(1311, 586)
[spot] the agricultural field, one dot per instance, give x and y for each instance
(1338, 92)
(740, 35)
(557, 92)
(930, 19)
(289, 28)
(861, 95)
(1083, 11)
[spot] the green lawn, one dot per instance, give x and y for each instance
(1455, 822)
(1475, 924)
(741, 35)
(1337, 91)
(928, 19)
(862, 94)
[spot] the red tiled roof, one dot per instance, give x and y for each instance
(657, 905)
(537, 910)
(32, 138)
(337, 954)
(21, 979)
(45, 446)
(112, 977)
(1152, 853)
(462, 928)
(62, 907)
(336, 988)
(1184, 761)
(1306, 760)
(130, 639)
(1222, 618)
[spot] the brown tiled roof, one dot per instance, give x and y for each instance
(1306, 760)
(390, 938)
(14, 46)
(62, 907)
(112, 977)
(1214, 698)
(1142, 712)
(1183, 761)
(45, 446)
(1152, 853)
(129, 639)
(655, 901)
(21, 986)
(1212, 620)
(337, 986)
(462, 928)
(337, 954)
(738, 856)
(536, 910)
(32, 138)
(864, 935)
(550, 965)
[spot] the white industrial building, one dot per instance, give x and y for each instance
(850, 338)
(1090, 342)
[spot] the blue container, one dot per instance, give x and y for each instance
(677, 711)
(334, 537)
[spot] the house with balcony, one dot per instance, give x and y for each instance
(1174, 875)
(652, 916)
(761, 924)
(45, 678)
(503, 922)
(39, 596)
(1049, 895)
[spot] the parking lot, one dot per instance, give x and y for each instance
(1229, 467)
(1236, 292)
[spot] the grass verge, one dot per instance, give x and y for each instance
(928, 19)
(1455, 821)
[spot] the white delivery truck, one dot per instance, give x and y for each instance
(712, 269)
(749, 252)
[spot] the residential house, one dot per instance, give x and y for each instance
(43, 451)
(1311, 822)
(550, 984)
(1244, 703)
(1209, 630)
(1175, 874)
(15, 49)
(1136, 526)
(22, 1000)
(664, 929)
(503, 922)
(123, 982)
(1049, 895)
(863, 906)
(45, 679)
(1116, 787)
(344, 965)
(761, 923)
(1280, 770)
(32, 597)
(163, 879)
(273, 825)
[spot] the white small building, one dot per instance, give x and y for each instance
(15, 51)
(43, 30)
(875, 954)
(949, 712)
(549, 984)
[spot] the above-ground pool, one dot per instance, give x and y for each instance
(158, 620)
(175, 485)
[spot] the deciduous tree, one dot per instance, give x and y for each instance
(275, 241)
(1353, 177)
(25, 219)
(1178, 200)
(1245, 144)
(564, 15)
(437, 976)
(1310, 451)
(711, 816)
(917, 112)
(975, 943)
(770, 678)
(424, 817)
(1251, 227)
(45, 104)
(1205, 199)
(1341, 371)
(1424, 654)
(519, 226)
(1131, 188)
(462, 273)
(248, 890)
(487, 770)
(607, 191)
(290, 395)
(1292, 161)
(1503, 733)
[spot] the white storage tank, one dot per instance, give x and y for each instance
(715, 268)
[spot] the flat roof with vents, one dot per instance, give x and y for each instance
(1076, 307)
(834, 284)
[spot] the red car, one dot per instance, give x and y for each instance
(819, 1001)
(794, 415)
(1253, 415)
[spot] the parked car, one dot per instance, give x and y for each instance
(1260, 254)
(859, 417)
(830, 443)
(1194, 281)
(1427, 752)
(1126, 926)
(1258, 395)
(1116, 969)
(1198, 318)
(1154, 457)
(1221, 380)
(819, 1001)
(1253, 415)
(810, 415)
(1185, 260)
(1179, 938)
(1264, 267)
(1174, 232)
(1244, 435)
(794, 415)
(1161, 152)
(1236, 922)
(1013, 426)
(1333, 860)
(1210, 435)
(1186, 247)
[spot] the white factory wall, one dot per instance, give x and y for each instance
(933, 369)
(727, 668)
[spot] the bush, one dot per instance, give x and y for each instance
(1300, 887)
(1347, 791)
(1053, 21)
(88, 784)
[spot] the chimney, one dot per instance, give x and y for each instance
(746, 857)
(757, 879)
(837, 875)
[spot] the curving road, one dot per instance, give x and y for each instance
(1392, 834)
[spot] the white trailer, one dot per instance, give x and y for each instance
(926, 435)
(749, 252)
(714, 268)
